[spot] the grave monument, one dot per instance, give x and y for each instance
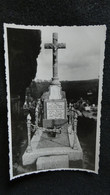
(55, 144)
(55, 104)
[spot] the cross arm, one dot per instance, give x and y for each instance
(48, 46)
(61, 45)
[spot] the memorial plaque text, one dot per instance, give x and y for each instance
(55, 110)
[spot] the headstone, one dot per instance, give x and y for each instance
(54, 113)
(56, 110)
(55, 104)
(55, 145)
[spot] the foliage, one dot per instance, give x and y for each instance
(74, 90)
(23, 49)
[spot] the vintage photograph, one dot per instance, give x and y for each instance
(54, 78)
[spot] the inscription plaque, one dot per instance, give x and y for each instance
(55, 110)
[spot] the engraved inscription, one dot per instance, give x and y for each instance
(55, 110)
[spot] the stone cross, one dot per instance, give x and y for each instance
(55, 46)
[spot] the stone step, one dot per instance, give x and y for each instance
(52, 162)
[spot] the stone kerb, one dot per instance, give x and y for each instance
(31, 157)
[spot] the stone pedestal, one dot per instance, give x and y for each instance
(55, 92)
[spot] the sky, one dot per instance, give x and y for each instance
(81, 58)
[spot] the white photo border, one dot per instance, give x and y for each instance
(102, 56)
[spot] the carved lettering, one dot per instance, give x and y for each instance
(55, 110)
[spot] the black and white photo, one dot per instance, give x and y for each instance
(54, 79)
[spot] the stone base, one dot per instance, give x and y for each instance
(52, 162)
(49, 123)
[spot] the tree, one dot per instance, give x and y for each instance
(23, 50)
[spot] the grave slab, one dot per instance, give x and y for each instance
(48, 149)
